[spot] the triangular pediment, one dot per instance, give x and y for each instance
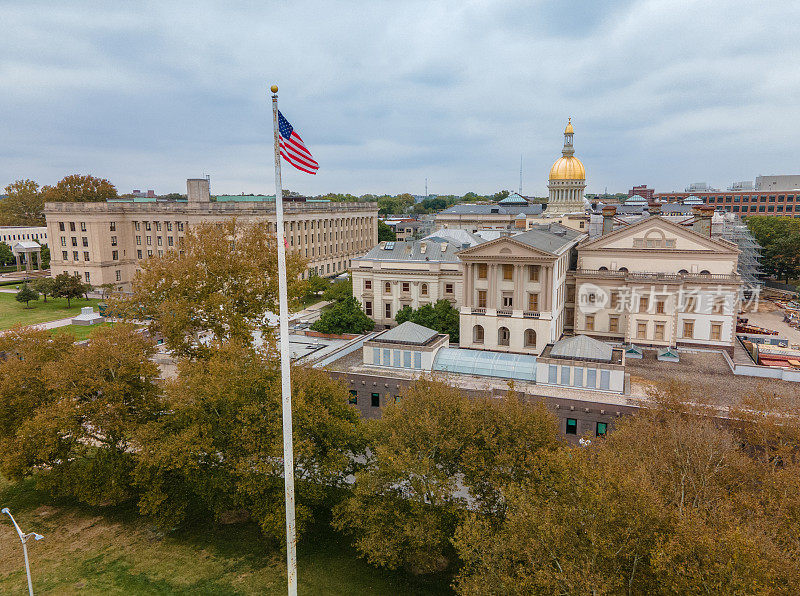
(656, 233)
(503, 247)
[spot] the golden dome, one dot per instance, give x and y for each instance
(569, 129)
(568, 168)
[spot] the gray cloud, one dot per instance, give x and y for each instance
(386, 93)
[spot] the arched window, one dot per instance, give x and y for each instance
(503, 336)
(623, 269)
(682, 272)
(477, 334)
(424, 289)
(705, 272)
(603, 269)
(530, 338)
(387, 288)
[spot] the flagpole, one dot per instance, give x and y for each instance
(286, 361)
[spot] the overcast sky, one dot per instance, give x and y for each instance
(388, 93)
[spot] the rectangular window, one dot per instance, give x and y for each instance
(572, 426)
(61, 226)
(118, 275)
(448, 288)
(508, 272)
(74, 241)
(158, 226)
(613, 324)
(533, 302)
(590, 322)
(149, 241)
(63, 240)
(353, 397)
(533, 272)
(376, 356)
(396, 358)
(641, 330)
(577, 377)
(417, 360)
(376, 400)
(139, 253)
(659, 332)
(406, 359)
(482, 271)
(169, 226)
(481, 298)
(74, 255)
(113, 240)
(367, 284)
(112, 226)
(159, 241)
(716, 331)
(137, 226)
(660, 305)
(114, 255)
(387, 310)
(64, 255)
(387, 357)
(170, 241)
(86, 255)
(86, 276)
(84, 241)
(83, 226)
(368, 308)
(147, 226)
(602, 428)
(565, 370)
(552, 374)
(138, 240)
(72, 226)
(605, 379)
(406, 286)
(644, 303)
(508, 300)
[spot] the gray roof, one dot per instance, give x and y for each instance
(407, 333)
(486, 209)
(583, 347)
(552, 238)
(513, 199)
(416, 250)
(457, 236)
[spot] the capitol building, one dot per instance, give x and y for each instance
(567, 179)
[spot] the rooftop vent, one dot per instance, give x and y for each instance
(423, 247)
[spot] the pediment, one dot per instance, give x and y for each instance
(658, 234)
(503, 247)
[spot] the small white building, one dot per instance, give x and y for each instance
(408, 345)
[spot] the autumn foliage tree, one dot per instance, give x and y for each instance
(78, 188)
(220, 285)
(23, 205)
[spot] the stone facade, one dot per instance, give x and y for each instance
(105, 242)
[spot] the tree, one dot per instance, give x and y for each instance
(441, 317)
(25, 295)
(221, 448)
(23, 205)
(45, 286)
(315, 285)
(430, 454)
(338, 291)
(68, 286)
(344, 316)
(780, 239)
(106, 290)
(221, 289)
(500, 195)
(385, 232)
(6, 255)
(44, 253)
(79, 189)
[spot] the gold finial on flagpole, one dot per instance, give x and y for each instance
(274, 88)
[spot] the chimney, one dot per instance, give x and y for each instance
(702, 219)
(198, 190)
(654, 208)
(609, 211)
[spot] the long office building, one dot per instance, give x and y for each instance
(106, 242)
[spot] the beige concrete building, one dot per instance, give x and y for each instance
(514, 290)
(657, 283)
(106, 242)
(397, 274)
(12, 234)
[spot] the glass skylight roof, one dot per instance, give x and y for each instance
(521, 367)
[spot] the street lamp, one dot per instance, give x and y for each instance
(24, 539)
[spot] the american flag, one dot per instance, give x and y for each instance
(293, 149)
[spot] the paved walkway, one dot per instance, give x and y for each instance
(47, 324)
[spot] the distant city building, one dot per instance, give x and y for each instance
(771, 195)
(642, 191)
(105, 242)
(743, 185)
(11, 234)
(768, 183)
(700, 187)
(150, 194)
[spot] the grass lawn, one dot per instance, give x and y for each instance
(13, 312)
(79, 331)
(113, 551)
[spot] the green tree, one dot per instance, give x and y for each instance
(500, 195)
(221, 288)
(221, 447)
(6, 255)
(430, 454)
(68, 286)
(26, 294)
(345, 316)
(45, 286)
(314, 286)
(780, 239)
(45, 256)
(23, 205)
(79, 189)
(338, 291)
(385, 232)
(441, 317)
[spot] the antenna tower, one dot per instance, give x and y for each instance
(520, 174)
